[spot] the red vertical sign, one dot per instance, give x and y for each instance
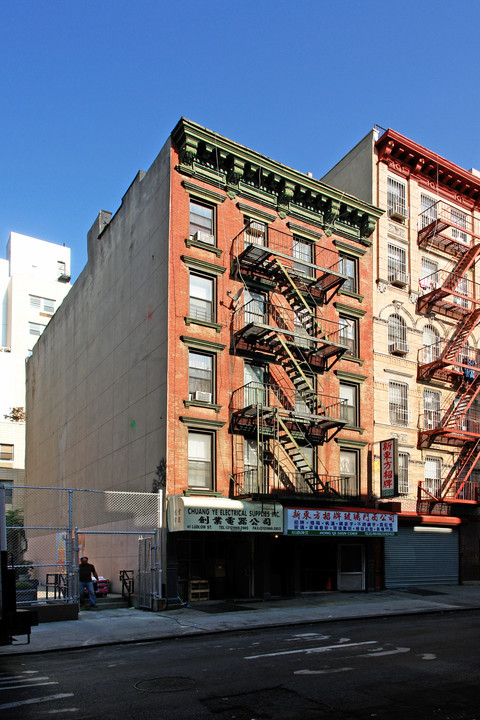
(389, 468)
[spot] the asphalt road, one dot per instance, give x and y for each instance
(410, 667)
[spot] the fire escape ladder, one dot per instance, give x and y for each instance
(296, 300)
(457, 412)
(464, 264)
(292, 367)
(294, 451)
(461, 469)
(461, 335)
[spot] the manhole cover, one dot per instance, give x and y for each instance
(165, 684)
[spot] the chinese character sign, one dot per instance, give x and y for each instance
(326, 521)
(389, 468)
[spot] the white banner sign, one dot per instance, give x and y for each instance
(222, 515)
(327, 521)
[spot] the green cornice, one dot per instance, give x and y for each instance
(345, 248)
(255, 213)
(202, 423)
(351, 444)
(203, 193)
(243, 172)
(349, 377)
(349, 310)
(306, 232)
(203, 265)
(205, 345)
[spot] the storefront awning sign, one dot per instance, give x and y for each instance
(330, 521)
(222, 515)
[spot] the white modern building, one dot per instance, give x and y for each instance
(34, 279)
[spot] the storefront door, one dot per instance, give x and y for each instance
(351, 567)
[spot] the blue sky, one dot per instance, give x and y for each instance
(91, 90)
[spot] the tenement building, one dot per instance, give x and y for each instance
(426, 310)
(218, 347)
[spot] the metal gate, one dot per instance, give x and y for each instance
(426, 557)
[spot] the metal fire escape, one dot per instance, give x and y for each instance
(285, 415)
(452, 294)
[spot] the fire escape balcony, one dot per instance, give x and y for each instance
(445, 228)
(453, 429)
(281, 258)
(447, 361)
(263, 481)
(264, 407)
(448, 293)
(315, 340)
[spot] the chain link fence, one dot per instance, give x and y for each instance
(49, 529)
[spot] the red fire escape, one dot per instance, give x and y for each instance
(452, 294)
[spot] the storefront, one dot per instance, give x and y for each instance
(425, 553)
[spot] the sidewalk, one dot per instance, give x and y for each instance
(107, 627)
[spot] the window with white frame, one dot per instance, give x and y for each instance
(349, 405)
(35, 329)
(348, 334)
(201, 298)
(398, 403)
(200, 460)
(42, 304)
(349, 266)
(429, 210)
(202, 222)
(349, 479)
(396, 199)
(252, 480)
(255, 232)
(432, 400)
(431, 344)
(461, 220)
(433, 475)
(255, 389)
(397, 265)
(305, 399)
(403, 468)
(253, 307)
(201, 376)
(397, 335)
(303, 253)
(429, 275)
(462, 288)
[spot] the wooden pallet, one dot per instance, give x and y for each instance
(198, 590)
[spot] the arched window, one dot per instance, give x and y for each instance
(397, 335)
(431, 344)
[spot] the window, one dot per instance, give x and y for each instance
(35, 329)
(429, 210)
(397, 266)
(252, 481)
(254, 307)
(255, 232)
(431, 344)
(201, 298)
(6, 452)
(202, 222)
(302, 337)
(397, 335)
(349, 473)
(200, 465)
(348, 333)
(429, 278)
(348, 267)
(403, 461)
(303, 253)
(396, 205)
(462, 288)
(433, 474)
(308, 456)
(200, 377)
(398, 403)
(460, 219)
(42, 304)
(254, 384)
(431, 408)
(349, 408)
(305, 400)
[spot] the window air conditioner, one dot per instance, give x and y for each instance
(398, 347)
(398, 211)
(203, 396)
(399, 278)
(5, 349)
(204, 237)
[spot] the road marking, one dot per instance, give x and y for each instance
(381, 652)
(33, 701)
(322, 672)
(324, 648)
(20, 679)
(20, 687)
(428, 656)
(51, 712)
